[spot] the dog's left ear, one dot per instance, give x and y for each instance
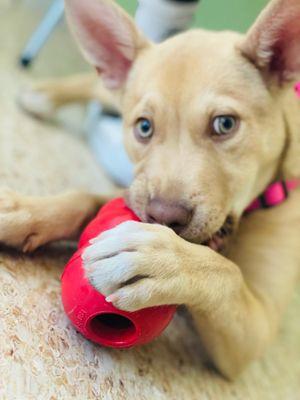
(107, 37)
(273, 42)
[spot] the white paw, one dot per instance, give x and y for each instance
(135, 265)
(36, 102)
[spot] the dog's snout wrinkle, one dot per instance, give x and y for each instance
(174, 215)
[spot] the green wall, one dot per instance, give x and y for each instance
(219, 14)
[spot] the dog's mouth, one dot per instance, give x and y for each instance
(216, 241)
(219, 240)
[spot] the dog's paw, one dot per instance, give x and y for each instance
(36, 101)
(18, 223)
(9, 200)
(137, 265)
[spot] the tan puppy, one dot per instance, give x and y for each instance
(210, 120)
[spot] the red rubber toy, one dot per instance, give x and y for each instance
(87, 309)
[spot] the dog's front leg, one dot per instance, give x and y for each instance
(27, 222)
(42, 99)
(141, 265)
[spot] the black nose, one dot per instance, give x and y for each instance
(173, 215)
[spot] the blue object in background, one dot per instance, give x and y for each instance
(42, 33)
(105, 138)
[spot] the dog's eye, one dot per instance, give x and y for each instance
(143, 129)
(224, 125)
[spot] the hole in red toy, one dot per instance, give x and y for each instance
(113, 328)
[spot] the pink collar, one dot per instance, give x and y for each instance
(274, 195)
(277, 192)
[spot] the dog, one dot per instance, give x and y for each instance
(210, 121)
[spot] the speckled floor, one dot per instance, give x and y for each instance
(41, 356)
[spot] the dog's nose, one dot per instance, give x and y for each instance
(173, 215)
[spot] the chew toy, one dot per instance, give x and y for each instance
(87, 309)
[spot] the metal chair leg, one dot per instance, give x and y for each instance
(42, 33)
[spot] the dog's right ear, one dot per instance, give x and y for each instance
(107, 37)
(273, 46)
(273, 42)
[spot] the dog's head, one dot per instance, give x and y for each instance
(204, 115)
